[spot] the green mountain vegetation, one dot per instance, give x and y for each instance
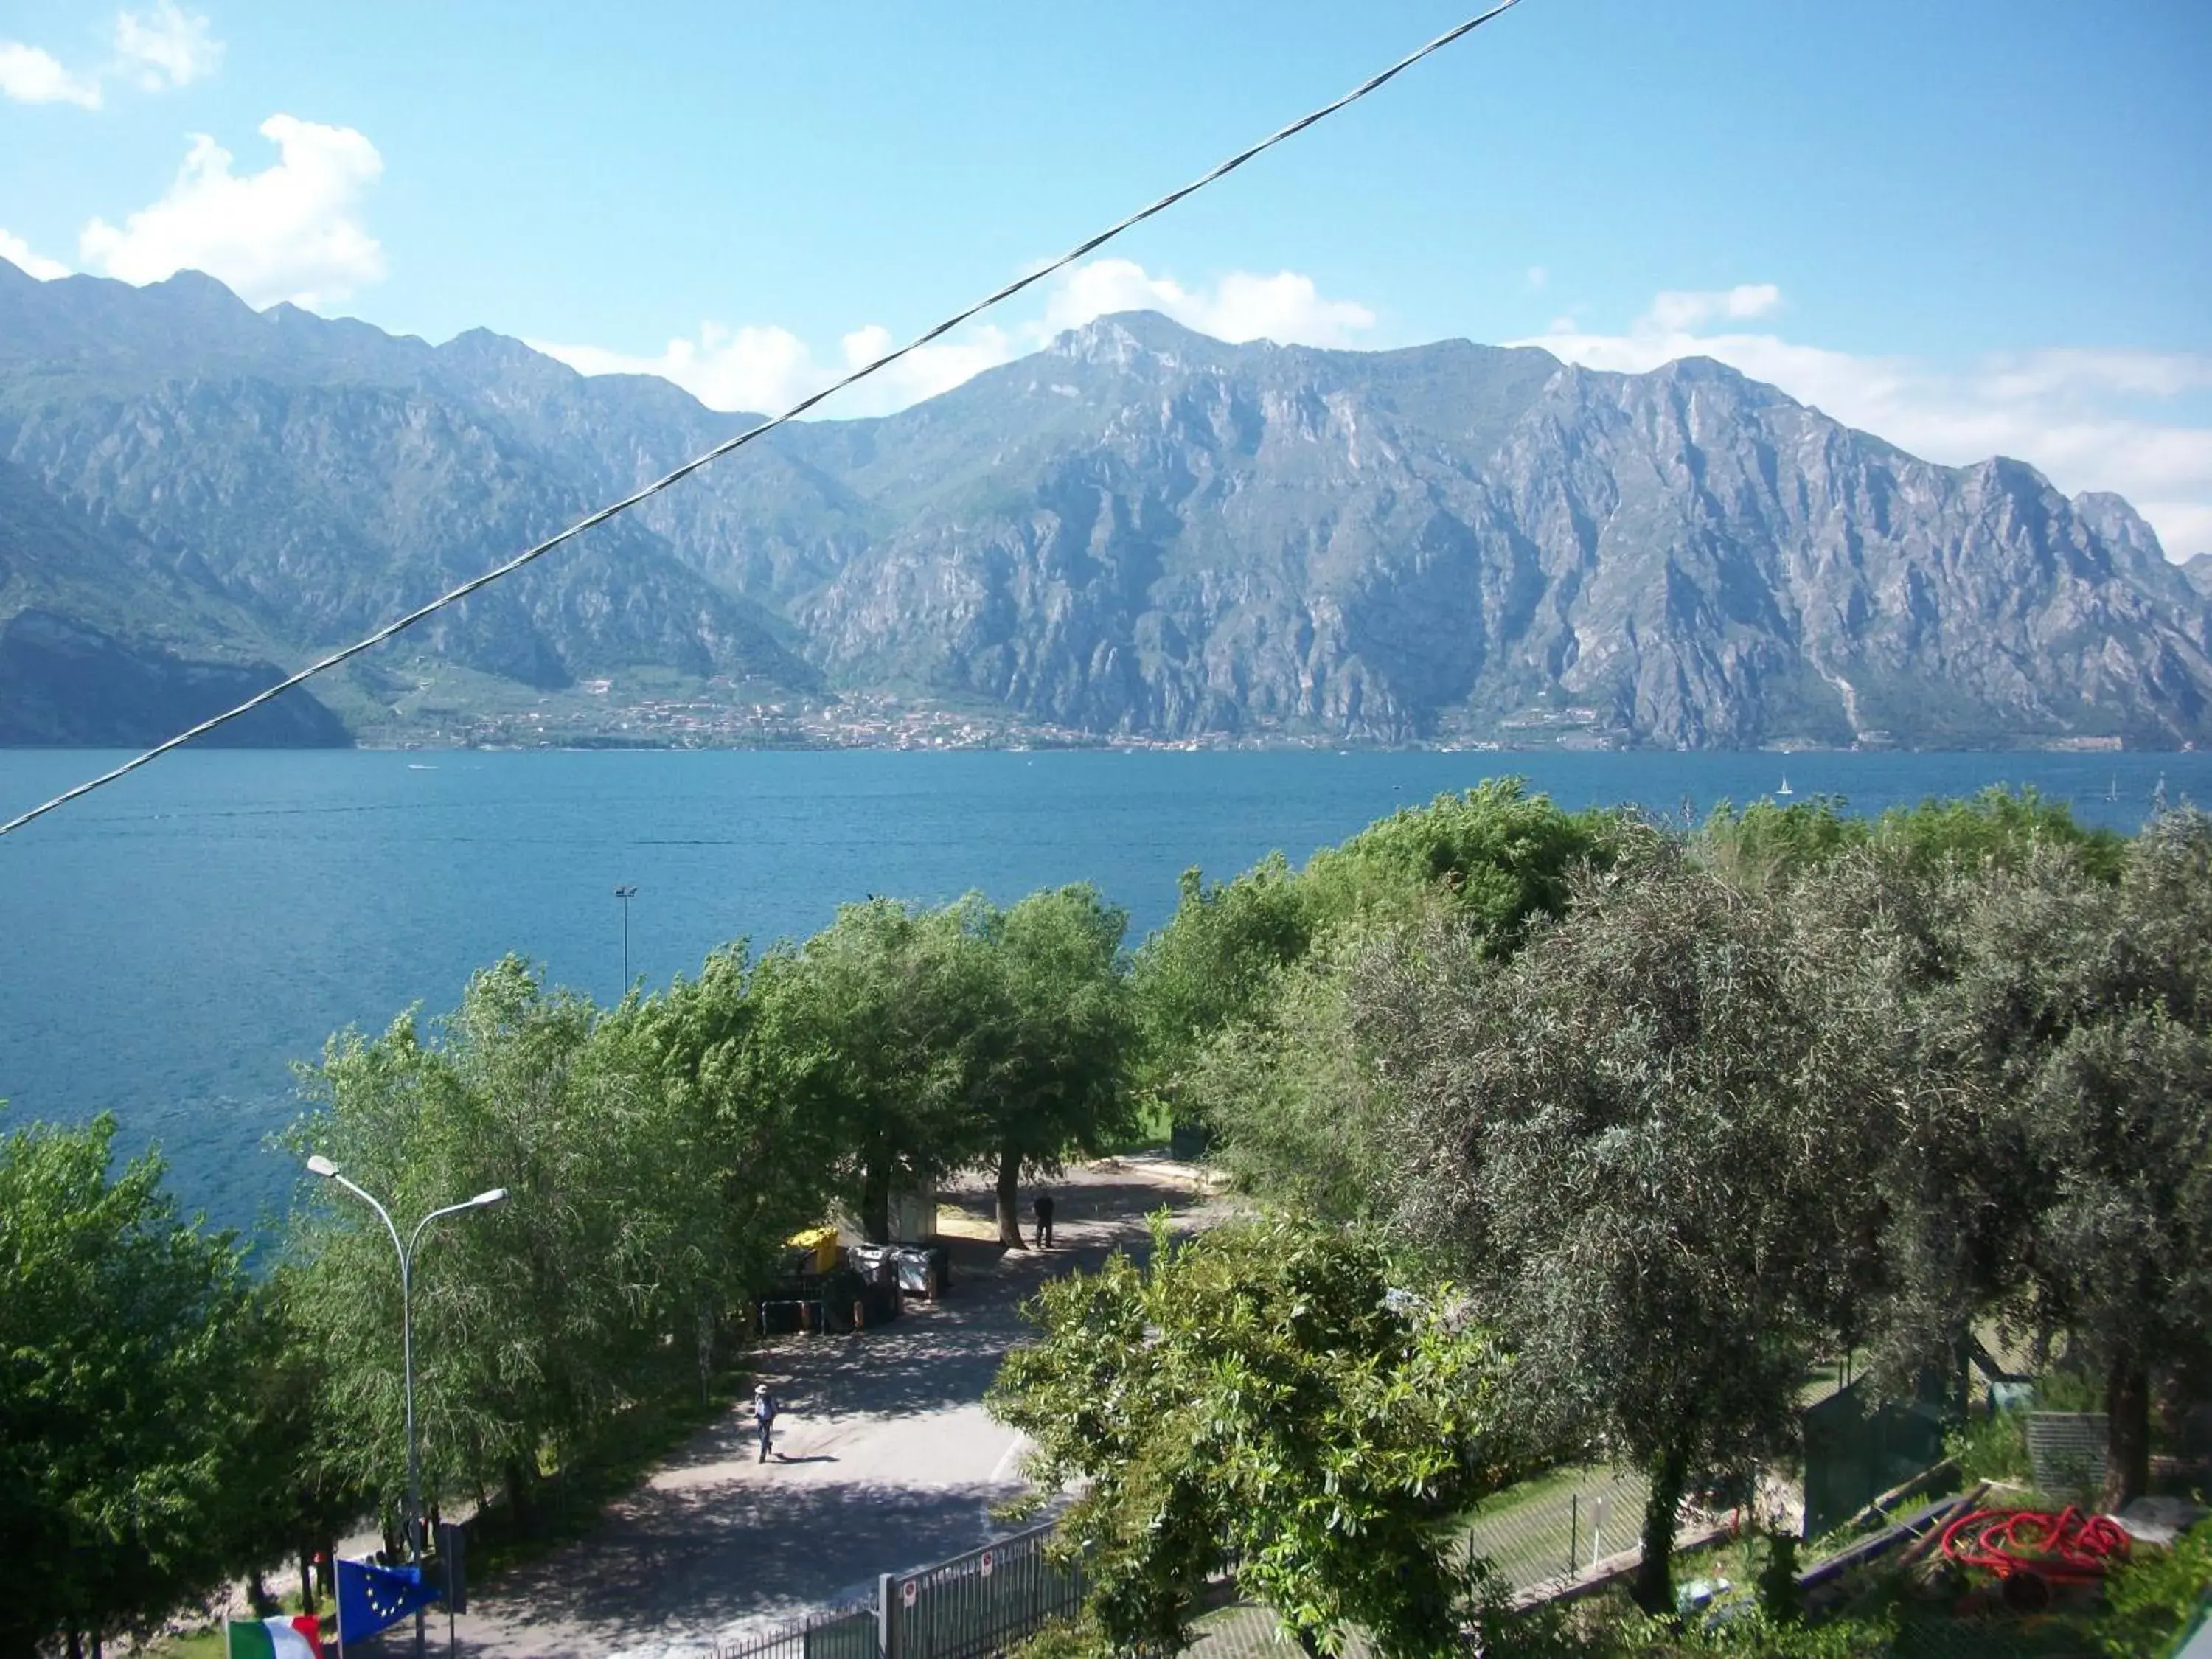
(1568, 1137)
(1138, 533)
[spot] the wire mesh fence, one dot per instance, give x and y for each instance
(1552, 1529)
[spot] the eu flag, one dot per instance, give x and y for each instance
(373, 1598)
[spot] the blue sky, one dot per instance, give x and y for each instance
(1972, 227)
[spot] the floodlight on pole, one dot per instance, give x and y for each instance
(322, 1166)
(626, 892)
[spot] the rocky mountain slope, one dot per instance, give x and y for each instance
(1140, 532)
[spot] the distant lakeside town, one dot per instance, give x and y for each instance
(876, 720)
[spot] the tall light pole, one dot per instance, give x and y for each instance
(626, 893)
(320, 1165)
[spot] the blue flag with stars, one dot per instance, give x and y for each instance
(373, 1598)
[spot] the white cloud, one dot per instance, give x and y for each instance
(2087, 419)
(17, 253)
(770, 368)
(1285, 307)
(1679, 308)
(31, 75)
(1538, 277)
(767, 370)
(291, 232)
(167, 46)
(937, 367)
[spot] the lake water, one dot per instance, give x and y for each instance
(169, 946)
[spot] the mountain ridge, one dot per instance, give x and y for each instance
(1138, 533)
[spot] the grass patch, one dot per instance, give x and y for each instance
(1155, 1128)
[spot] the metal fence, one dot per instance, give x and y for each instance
(841, 1633)
(980, 1603)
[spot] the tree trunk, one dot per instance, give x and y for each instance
(306, 1579)
(876, 1204)
(706, 1340)
(522, 1496)
(2127, 1445)
(1010, 1182)
(1654, 1575)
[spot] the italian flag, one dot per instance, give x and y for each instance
(275, 1638)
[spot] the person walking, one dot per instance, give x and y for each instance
(763, 1415)
(1043, 1208)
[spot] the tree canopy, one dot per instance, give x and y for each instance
(127, 1360)
(1645, 1146)
(1257, 1395)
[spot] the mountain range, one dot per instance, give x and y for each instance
(1137, 533)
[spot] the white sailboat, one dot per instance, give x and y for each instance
(1785, 791)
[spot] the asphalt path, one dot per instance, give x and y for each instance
(885, 1460)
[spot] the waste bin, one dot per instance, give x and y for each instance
(924, 1270)
(813, 1250)
(840, 1300)
(882, 1301)
(876, 1263)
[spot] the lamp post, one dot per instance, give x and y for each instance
(320, 1165)
(626, 893)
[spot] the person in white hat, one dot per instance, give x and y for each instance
(763, 1415)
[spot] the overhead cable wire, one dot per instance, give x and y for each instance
(1090, 245)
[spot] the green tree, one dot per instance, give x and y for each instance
(1995, 826)
(283, 1502)
(1293, 1117)
(884, 1023)
(536, 1321)
(2081, 1016)
(1212, 985)
(1497, 857)
(122, 1361)
(1257, 1395)
(1647, 1141)
(1214, 965)
(732, 1067)
(1056, 1078)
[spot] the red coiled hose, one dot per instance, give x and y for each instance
(2069, 1547)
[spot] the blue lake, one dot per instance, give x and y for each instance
(170, 946)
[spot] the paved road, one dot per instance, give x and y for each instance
(884, 1461)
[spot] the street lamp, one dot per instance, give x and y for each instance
(626, 894)
(320, 1165)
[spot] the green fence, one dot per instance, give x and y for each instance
(1856, 1450)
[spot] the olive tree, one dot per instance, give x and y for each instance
(1648, 1142)
(2080, 1014)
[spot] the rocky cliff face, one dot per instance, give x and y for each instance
(1154, 533)
(1139, 530)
